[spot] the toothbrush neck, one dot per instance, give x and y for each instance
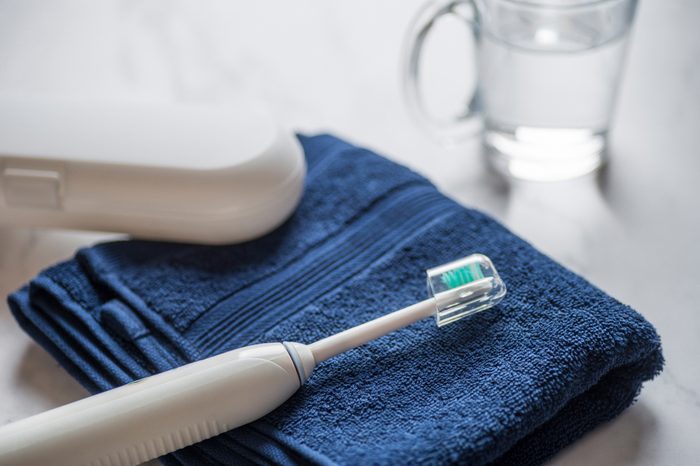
(363, 333)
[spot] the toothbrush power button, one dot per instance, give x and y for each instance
(30, 187)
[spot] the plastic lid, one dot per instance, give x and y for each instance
(464, 287)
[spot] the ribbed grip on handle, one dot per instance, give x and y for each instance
(159, 446)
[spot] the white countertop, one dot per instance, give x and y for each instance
(334, 66)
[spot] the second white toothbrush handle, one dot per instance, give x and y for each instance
(156, 415)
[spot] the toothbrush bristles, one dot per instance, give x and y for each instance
(462, 276)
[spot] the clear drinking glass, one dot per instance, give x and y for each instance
(548, 72)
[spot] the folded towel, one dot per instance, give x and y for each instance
(512, 385)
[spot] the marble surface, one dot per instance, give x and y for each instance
(333, 66)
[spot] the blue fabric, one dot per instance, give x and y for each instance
(512, 385)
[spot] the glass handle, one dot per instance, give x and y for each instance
(450, 129)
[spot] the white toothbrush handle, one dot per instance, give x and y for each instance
(159, 414)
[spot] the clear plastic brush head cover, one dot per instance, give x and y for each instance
(464, 287)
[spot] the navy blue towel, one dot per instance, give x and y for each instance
(512, 385)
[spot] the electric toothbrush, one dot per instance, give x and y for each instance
(162, 413)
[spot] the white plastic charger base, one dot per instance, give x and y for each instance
(177, 172)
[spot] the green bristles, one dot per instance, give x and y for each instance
(460, 277)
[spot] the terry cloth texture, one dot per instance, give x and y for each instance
(512, 385)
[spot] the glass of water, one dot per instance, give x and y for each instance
(548, 72)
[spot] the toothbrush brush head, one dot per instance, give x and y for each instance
(464, 287)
